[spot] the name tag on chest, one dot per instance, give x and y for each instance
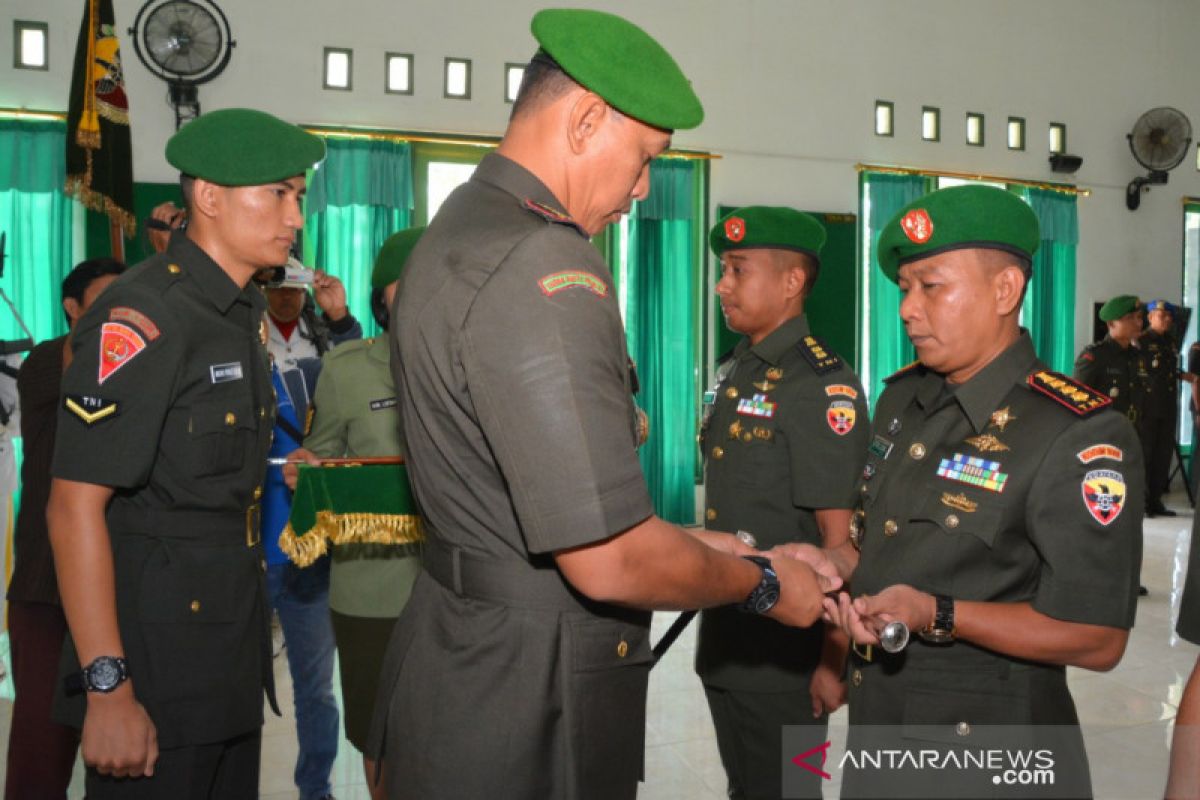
(224, 373)
(380, 405)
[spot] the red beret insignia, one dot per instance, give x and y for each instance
(917, 226)
(735, 229)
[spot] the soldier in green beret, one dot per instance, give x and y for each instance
(519, 665)
(1159, 351)
(1113, 366)
(784, 439)
(162, 440)
(355, 415)
(999, 519)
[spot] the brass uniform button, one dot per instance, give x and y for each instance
(963, 729)
(622, 649)
(917, 451)
(718, 453)
(731, 392)
(257, 492)
(952, 520)
(890, 528)
(195, 606)
(262, 412)
(746, 437)
(856, 677)
(710, 514)
(230, 418)
(174, 269)
(262, 564)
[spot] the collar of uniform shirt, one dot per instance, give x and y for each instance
(984, 392)
(779, 341)
(213, 281)
(509, 176)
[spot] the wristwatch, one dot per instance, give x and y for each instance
(941, 630)
(766, 594)
(103, 675)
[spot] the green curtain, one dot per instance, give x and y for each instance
(1049, 309)
(358, 196)
(658, 277)
(37, 216)
(885, 347)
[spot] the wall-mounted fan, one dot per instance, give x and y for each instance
(186, 43)
(1159, 141)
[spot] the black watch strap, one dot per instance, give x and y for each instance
(941, 630)
(766, 594)
(103, 675)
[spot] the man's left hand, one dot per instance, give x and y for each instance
(827, 689)
(330, 295)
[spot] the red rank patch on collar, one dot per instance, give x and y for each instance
(735, 229)
(119, 343)
(917, 226)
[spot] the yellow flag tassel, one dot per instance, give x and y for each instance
(349, 528)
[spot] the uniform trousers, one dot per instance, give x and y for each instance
(1157, 433)
(749, 729)
(225, 770)
(41, 752)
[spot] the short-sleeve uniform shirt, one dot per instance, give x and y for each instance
(785, 434)
(1116, 371)
(512, 375)
(168, 401)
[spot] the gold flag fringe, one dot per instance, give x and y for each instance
(78, 186)
(353, 528)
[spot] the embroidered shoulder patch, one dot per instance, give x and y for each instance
(834, 389)
(822, 361)
(1081, 399)
(552, 284)
(1103, 494)
(1109, 451)
(90, 410)
(900, 373)
(119, 344)
(137, 318)
(550, 214)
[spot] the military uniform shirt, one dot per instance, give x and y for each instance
(1161, 362)
(1188, 625)
(168, 401)
(994, 491)
(512, 375)
(355, 414)
(1116, 371)
(786, 435)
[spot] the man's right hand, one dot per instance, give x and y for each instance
(291, 472)
(801, 591)
(119, 738)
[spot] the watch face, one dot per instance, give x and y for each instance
(766, 600)
(104, 674)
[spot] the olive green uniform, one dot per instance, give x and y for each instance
(511, 371)
(785, 434)
(995, 490)
(168, 400)
(1157, 425)
(1188, 625)
(355, 414)
(1115, 371)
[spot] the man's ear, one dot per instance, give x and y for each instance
(73, 308)
(1008, 285)
(588, 113)
(206, 198)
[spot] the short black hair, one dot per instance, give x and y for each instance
(80, 278)
(543, 80)
(187, 184)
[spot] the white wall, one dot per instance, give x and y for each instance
(789, 88)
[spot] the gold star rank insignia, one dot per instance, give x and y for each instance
(1001, 418)
(774, 374)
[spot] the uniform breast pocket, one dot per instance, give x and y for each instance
(959, 511)
(222, 431)
(762, 455)
(610, 663)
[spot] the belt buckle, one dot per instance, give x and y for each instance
(253, 524)
(864, 651)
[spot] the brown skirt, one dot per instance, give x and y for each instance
(361, 643)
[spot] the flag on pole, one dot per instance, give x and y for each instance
(99, 149)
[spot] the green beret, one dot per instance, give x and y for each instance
(1118, 307)
(620, 62)
(771, 227)
(243, 147)
(958, 218)
(392, 256)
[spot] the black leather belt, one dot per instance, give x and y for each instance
(209, 526)
(515, 584)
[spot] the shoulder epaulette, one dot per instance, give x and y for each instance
(1078, 397)
(551, 214)
(817, 355)
(905, 370)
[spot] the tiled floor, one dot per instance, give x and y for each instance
(1127, 713)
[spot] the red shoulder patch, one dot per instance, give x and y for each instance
(137, 318)
(552, 284)
(119, 344)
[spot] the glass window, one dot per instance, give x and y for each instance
(1058, 137)
(458, 78)
(931, 124)
(398, 77)
(1016, 133)
(884, 122)
(29, 40)
(338, 66)
(1191, 300)
(513, 73)
(444, 177)
(974, 129)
